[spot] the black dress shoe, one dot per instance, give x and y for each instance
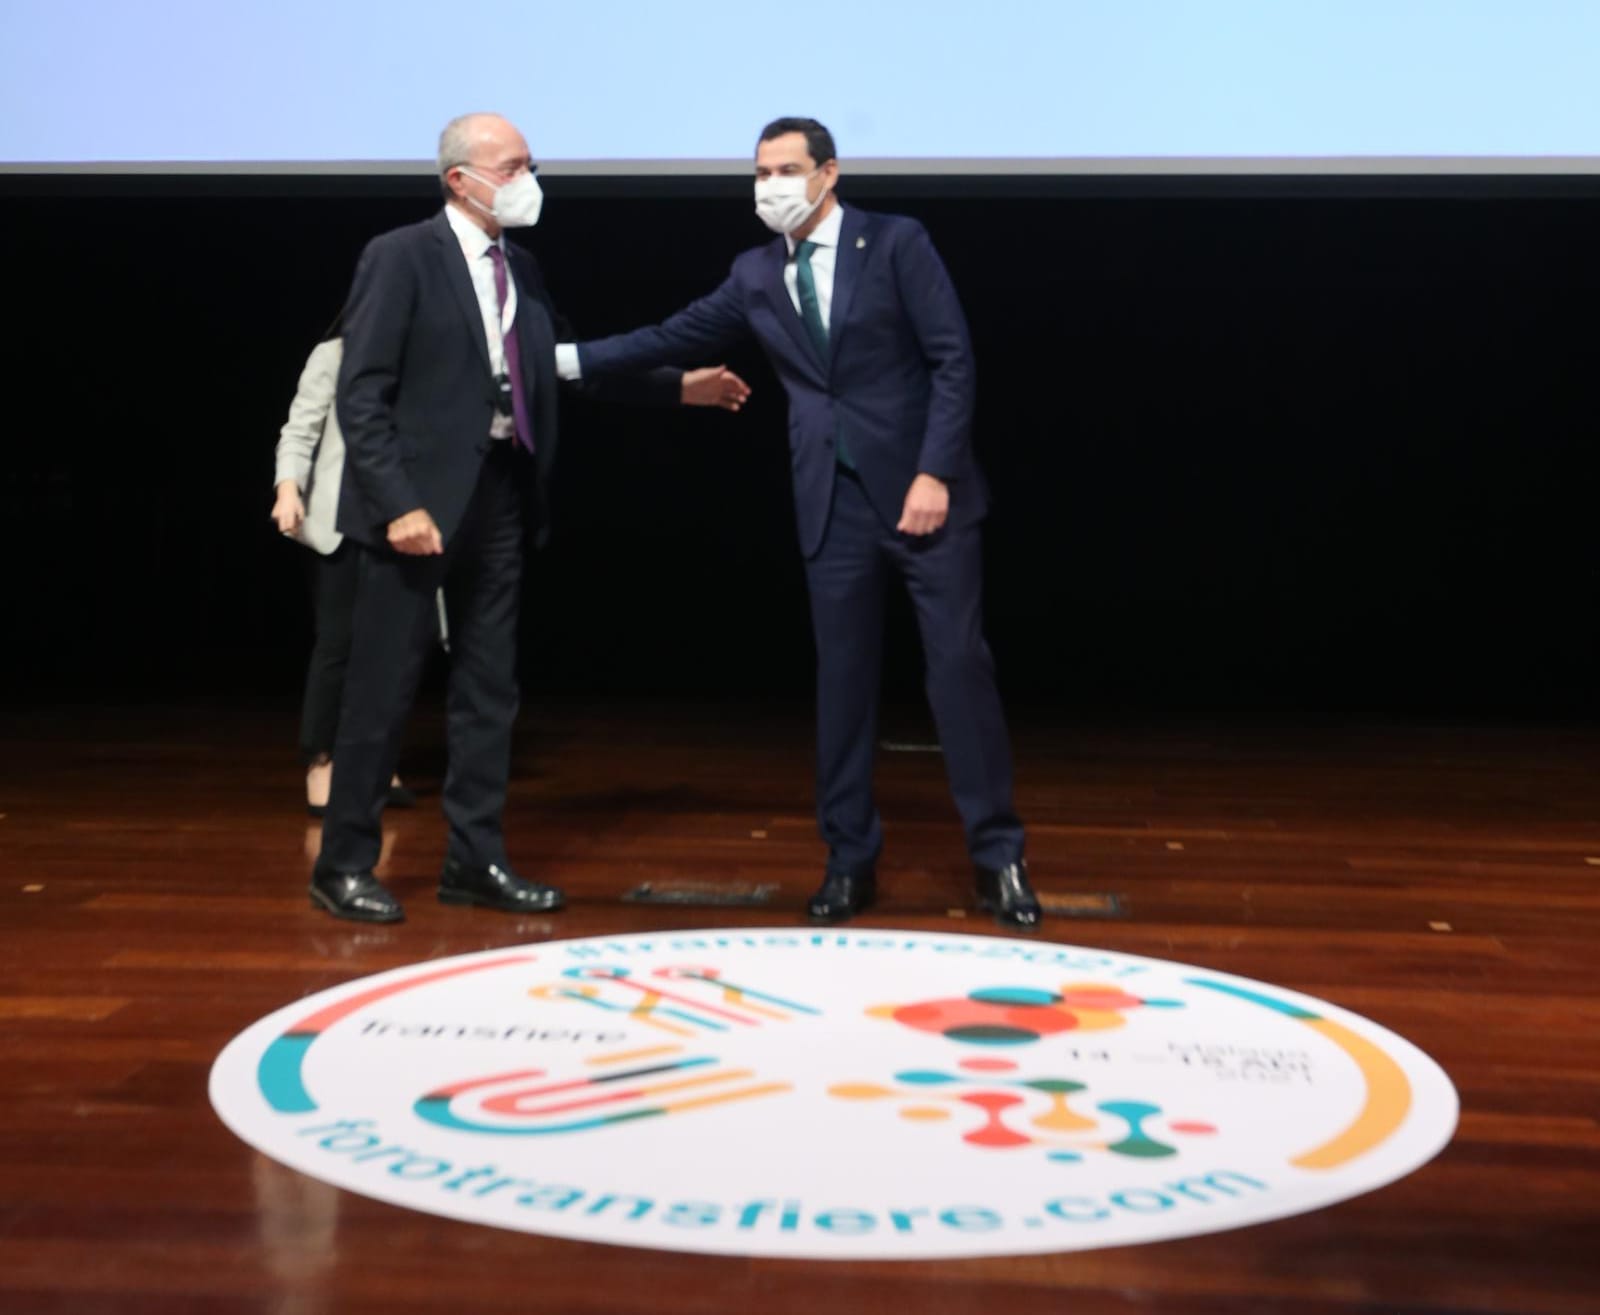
(354, 895)
(842, 896)
(1005, 892)
(495, 887)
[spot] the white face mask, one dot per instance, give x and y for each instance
(517, 204)
(781, 202)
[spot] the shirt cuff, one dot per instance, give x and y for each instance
(567, 366)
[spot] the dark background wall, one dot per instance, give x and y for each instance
(1324, 451)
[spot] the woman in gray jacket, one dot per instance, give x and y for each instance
(310, 464)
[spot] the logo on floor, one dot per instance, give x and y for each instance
(834, 1095)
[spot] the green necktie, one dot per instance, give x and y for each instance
(810, 307)
(811, 312)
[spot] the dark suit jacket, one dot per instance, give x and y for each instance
(898, 385)
(416, 395)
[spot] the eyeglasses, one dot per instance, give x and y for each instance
(517, 167)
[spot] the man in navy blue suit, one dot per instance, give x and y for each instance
(858, 316)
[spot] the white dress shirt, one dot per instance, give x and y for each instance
(475, 244)
(823, 262)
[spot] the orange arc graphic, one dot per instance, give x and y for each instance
(743, 1093)
(1388, 1100)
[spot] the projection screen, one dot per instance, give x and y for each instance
(908, 86)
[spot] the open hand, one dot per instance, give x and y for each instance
(927, 506)
(714, 385)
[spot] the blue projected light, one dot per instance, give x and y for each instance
(657, 86)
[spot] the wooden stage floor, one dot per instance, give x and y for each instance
(1443, 882)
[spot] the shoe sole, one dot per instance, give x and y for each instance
(1002, 920)
(833, 920)
(321, 901)
(478, 901)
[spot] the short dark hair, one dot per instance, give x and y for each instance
(819, 141)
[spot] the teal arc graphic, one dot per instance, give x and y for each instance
(280, 1072)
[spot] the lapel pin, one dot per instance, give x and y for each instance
(860, 242)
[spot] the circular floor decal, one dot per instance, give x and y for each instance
(833, 1095)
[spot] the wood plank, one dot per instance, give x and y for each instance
(152, 904)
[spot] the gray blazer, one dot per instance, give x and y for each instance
(311, 447)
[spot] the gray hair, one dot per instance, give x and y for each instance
(455, 146)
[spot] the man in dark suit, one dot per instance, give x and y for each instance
(858, 316)
(447, 399)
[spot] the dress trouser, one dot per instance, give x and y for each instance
(395, 624)
(333, 599)
(943, 574)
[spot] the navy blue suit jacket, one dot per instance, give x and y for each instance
(898, 384)
(416, 395)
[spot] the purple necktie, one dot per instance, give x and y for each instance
(519, 402)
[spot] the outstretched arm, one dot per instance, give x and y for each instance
(703, 330)
(656, 382)
(710, 385)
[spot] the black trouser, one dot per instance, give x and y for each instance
(333, 601)
(395, 624)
